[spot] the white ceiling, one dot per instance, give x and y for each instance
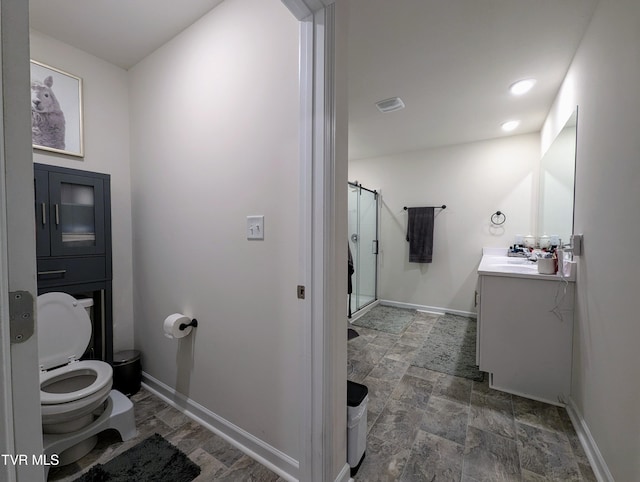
(122, 32)
(451, 61)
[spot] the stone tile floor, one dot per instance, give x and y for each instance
(422, 426)
(219, 460)
(429, 426)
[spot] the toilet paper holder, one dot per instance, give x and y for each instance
(184, 326)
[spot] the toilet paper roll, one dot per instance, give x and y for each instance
(172, 326)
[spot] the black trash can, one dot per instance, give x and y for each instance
(357, 400)
(127, 372)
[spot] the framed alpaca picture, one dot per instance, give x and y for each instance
(56, 110)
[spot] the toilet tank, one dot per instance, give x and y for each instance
(86, 303)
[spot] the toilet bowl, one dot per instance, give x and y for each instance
(72, 392)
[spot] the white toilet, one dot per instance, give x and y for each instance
(75, 396)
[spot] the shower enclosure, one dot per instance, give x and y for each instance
(363, 243)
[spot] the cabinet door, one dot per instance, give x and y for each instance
(43, 221)
(77, 214)
(526, 337)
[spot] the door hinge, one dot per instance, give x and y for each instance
(21, 323)
(301, 292)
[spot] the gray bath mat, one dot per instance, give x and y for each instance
(152, 460)
(451, 348)
(386, 318)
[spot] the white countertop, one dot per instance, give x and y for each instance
(495, 262)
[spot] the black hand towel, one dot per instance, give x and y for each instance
(420, 234)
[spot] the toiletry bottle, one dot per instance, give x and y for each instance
(560, 255)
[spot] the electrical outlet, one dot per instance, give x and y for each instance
(255, 227)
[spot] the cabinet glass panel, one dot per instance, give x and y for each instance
(77, 215)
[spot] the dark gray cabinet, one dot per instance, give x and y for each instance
(73, 242)
(70, 213)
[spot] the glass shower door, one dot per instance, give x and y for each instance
(367, 248)
(363, 242)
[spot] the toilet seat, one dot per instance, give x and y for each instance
(66, 415)
(103, 376)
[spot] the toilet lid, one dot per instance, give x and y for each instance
(64, 329)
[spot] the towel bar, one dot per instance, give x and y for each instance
(444, 206)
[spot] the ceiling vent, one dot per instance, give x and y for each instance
(390, 105)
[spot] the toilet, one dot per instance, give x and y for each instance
(75, 395)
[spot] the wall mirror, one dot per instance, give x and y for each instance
(557, 176)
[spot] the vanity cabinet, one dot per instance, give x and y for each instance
(73, 242)
(525, 329)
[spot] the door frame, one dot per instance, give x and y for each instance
(323, 410)
(19, 374)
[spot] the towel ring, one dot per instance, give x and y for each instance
(498, 218)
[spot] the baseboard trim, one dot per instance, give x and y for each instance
(429, 309)
(269, 456)
(598, 464)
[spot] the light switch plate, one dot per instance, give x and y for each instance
(255, 227)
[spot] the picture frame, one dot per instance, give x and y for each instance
(56, 110)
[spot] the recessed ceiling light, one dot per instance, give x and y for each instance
(390, 105)
(510, 125)
(522, 86)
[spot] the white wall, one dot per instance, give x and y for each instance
(474, 181)
(214, 138)
(603, 81)
(106, 144)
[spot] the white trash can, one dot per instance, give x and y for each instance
(357, 399)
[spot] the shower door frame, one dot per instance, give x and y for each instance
(375, 193)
